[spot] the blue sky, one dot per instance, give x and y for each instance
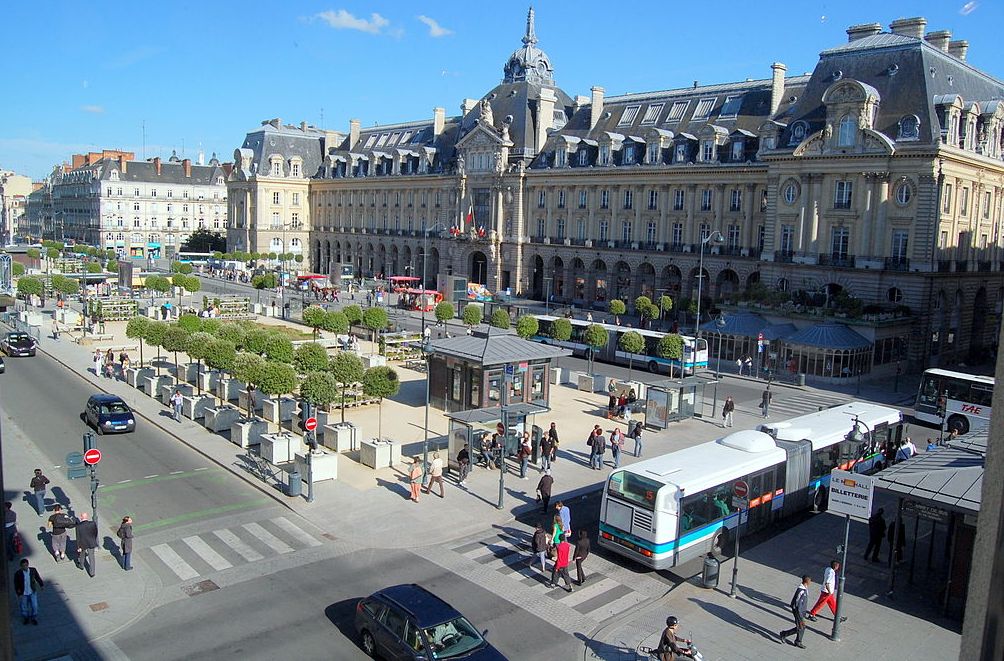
(84, 76)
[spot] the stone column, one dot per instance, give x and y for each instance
(748, 232)
(689, 229)
(881, 222)
(662, 232)
(817, 185)
(866, 240)
(801, 242)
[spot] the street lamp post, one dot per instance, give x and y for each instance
(547, 294)
(422, 300)
(717, 237)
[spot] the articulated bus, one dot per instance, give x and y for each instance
(967, 399)
(612, 353)
(667, 510)
(194, 258)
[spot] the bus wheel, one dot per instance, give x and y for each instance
(958, 423)
(819, 500)
(653, 367)
(718, 543)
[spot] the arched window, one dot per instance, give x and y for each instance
(895, 295)
(275, 245)
(847, 133)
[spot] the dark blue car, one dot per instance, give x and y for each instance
(407, 622)
(108, 414)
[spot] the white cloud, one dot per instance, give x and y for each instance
(435, 29)
(343, 20)
(94, 109)
(969, 8)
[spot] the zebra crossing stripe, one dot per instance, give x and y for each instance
(237, 544)
(615, 606)
(294, 531)
(588, 592)
(267, 538)
(207, 553)
(174, 562)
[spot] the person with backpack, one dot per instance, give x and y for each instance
(59, 522)
(539, 546)
(523, 454)
(636, 435)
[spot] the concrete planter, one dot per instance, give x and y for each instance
(279, 448)
(208, 380)
(340, 437)
(585, 383)
(152, 384)
(242, 400)
(194, 408)
(167, 390)
(221, 418)
(278, 410)
(187, 372)
(379, 454)
(228, 389)
(248, 432)
(374, 360)
(323, 466)
(134, 374)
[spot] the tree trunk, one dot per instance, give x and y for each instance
(630, 365)
(141, 352)
(343, 403)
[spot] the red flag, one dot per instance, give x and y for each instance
(469, 218)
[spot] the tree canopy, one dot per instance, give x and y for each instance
(527, 326)
(473, 314)
(617, 307)
(204, 240)
(353, 313)
(335, 321)
(631, 342)
(596, 337)
(445, 311)
(381, 382)
(248, 367)
(279, 348)
(561, 330)
(310, 357)
(375, 319)
(220, 354)
(277, 378)
(319, 388)
(670, 346)
(500, 319)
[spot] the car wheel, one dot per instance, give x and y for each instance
(369, 645)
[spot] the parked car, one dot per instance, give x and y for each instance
(109, 414)
(404, 621)
(17, 343)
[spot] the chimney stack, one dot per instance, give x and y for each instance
(123, 163)
(438, 121)
(77, 160)
(939, 39)
(467, 105)
(303, 126)
(353, 132)
(545, 115)
(156, 164)
(187, 166)
(776, 86)
(958, 48)
(909, 27)
(595, 105)
(863, 30)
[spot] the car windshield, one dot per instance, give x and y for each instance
(114, 407)
(18, 338)
(453, 638)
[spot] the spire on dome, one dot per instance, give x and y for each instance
(528, 63)
(530, 37)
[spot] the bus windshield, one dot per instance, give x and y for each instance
(636, 488)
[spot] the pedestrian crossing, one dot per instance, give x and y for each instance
(792, 403)
(598, 599)
(219, 550)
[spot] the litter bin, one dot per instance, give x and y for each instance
(799, 379)
(709, 576)
(295, 483)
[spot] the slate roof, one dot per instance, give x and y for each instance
(288, 141)
(496, 348)
(829, 336)
(950, 477)
(171, 172)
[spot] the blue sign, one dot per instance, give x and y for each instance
(509, 369)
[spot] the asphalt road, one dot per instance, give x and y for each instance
(147, 474)
(308, 613)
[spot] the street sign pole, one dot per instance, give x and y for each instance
(835, 634)
(311, 424)
(740, 491)
(89, 445)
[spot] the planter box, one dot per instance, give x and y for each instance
(208, 380)
(278, 410)
(247, 432)
(379, 454)
(221, 418)
(167, 389)
(555, 376)
(585, 383)
(151, 384)
(374, 360)
(228, 389)
(323, 466)
(279, 448)
(187, 372)
(194, 408)
(341, 437)
(242, 400)
(134, 374)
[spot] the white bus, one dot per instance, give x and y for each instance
(967, 399)
(612, 353)
(665, 511)
(194, 258)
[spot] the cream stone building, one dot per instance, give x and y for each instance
(853, 212)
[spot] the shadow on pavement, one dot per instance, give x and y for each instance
(603, 650)
(733, 618)
(342, 614)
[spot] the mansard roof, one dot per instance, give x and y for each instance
(171, 172)
(288, 141)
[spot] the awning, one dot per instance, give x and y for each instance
(829, 336)
(153, 245)
(488, 416)
(634, 138)
(743, 323)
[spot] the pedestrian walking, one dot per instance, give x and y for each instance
(59, 522)
(125, 535)
(544, 490)
(798, 604)
(110, 364)
(545, 453)
(125, 365)
(765, 400)
(581, 553)
(827, 592)
(566, 517)
(435, 475)
(727, 409)
(464, 462)
(540, 547)
(599, 448)
(9, 528)
(748, 362)
(415, 478)
(611, 398)
(27, 585)
(616, 443)
(98, 359)
(38, 485)
(636, 435)
(87, 541)
(523, 454)
(55, 328)
(876, 531)
(560, 567)
(176, 402)
(556, 532)
(552, 435)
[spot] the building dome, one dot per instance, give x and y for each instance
(529, 63)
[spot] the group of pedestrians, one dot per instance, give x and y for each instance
(799, 604)
(27, 580)
(598, 443)
(555, 545)
(105, 364)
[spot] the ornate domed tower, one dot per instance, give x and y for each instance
(529, 63)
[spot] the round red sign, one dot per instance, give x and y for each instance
(741, 489)
(92, 456)
(310, 424)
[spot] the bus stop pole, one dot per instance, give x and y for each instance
(735, 556)
(835, 635)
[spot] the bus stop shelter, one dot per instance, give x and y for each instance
(672, 400)
(471, 426)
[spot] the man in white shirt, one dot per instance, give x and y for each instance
(436, 475)
(827, 592)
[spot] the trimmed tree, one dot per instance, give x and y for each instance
(277, 378)
(561, 330)
(192, 283)
(617, 308)
(92, 267)
(527, 326)
(310, 357)
(265, 281)
(136, 330)
(319, 388)
(648, 313)
(347, 368)
(336, 322)
(380, 382)
(641, 303)
(248, 367)
(28, 286)
(500, 319)
(444, 312)
(176, 339)
(595, 337)
(376, 320)
(220, 355)
(198, 348)
(155, 337)
(256, 340)
(18, 269)
(279, 348)
(65, 285)
(211, 325)
(190, 322)
(670, 347)
(233, 334)
(313, 316)
(472, 315)
(353, 313)
(665, 304)
(631, 343)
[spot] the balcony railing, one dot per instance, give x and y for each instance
(730, 250)
(897, 264)
(836, 259)
(784, 256)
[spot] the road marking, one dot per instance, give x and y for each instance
(204, 514)
(149, 477)
(616, 606)
(268, 538)
(156, 478)
(588, 592)
(207, 553)
(174, 562)
(123, 481)
(295, 532)
(204, 468)
(176, 472)
(238, 545)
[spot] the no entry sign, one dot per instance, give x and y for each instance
(741, 489)
(310, 424)
(92, 456)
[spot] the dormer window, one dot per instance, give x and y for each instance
(628, 155)
(630, 113)
(276, 169)
(681, 153)
(798, 130)
(583, 157)
(654, 152)
(604, 155)
(652, 114)
(848, 131)
(676, 112)
(703, 111)
(707, 151)
(115, 175)
(738, 149)
(560, 157)
(731, 106)
(294, 169)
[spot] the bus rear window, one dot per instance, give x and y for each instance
(635, 488)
